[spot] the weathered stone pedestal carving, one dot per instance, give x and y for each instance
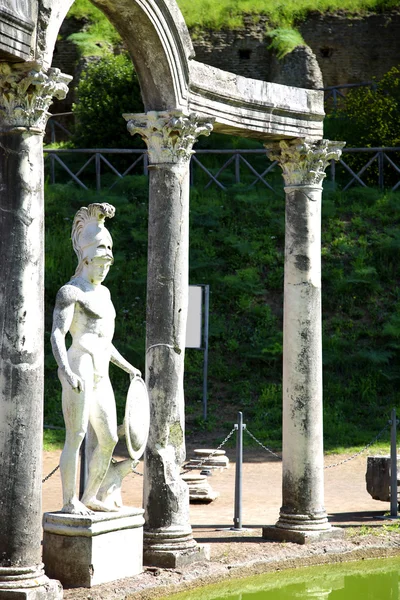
(302, 515)
(168, 539)
(25, 95)
(86, 550)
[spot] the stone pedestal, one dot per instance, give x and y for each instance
(82, 551)
(302, 515)
(25, 95)
(173, 548)
(169, 136)
(209, 459)
(200, 491)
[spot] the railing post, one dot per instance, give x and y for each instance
(98, 171)
(393, 464)
(381, 167)
(237, 519)
(145, 164)
(333, 171)
(334, 94)
(52, 168)
(237, 167)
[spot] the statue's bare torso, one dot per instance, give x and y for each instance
(92, 326)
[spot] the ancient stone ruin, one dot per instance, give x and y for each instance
(183, 99)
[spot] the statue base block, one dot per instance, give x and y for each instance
(83, 551)
(298, 536)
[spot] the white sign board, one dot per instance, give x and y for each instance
(194, 320)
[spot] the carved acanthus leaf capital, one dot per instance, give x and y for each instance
(169, 136)
(26, 93)
(303, 162)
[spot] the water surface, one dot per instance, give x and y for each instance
(364, 580)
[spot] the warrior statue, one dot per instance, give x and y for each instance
(84, 308)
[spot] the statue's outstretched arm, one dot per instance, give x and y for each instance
(62, 319)
(118, 360)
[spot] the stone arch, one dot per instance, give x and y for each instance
(157, 39)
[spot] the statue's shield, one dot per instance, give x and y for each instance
(137, 418)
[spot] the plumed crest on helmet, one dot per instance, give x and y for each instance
(94, 214)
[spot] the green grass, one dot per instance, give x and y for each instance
(229, 13)
(237, 247)
(53, 439)
(284, 41)
(98, 36)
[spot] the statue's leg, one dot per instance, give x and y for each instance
(103, 418)
(76, 408)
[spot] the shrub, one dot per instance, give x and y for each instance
(107, 89)
(369, 116)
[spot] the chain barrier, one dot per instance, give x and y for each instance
(50, 474)
(262, 445)
(204, 460)
(201, 463)
(342, 462)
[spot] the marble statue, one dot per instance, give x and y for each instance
(85, 310)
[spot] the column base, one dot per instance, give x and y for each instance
(301, 529)
(29, 583)
(83, 551)
(172, 548)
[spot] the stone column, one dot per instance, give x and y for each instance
(169, 137)
(25, 95)
(302, 514)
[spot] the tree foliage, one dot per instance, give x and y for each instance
(369, 116)
(107, 88)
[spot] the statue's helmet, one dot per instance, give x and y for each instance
(90, 238)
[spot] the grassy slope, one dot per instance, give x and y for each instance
(229, 13)
(98, 35)
(237, 247)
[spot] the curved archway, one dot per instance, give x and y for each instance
(157, 39)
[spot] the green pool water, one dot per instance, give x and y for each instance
(365, 580)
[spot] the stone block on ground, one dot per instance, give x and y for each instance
(378, 477)
(200, 491)
(83, 551)
(208, 459)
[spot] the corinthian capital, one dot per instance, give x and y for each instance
(26, 93)
(169, 136)
(302, 162)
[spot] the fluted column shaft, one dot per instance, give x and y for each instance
(303, 167)
(169, 138)
(25, 95)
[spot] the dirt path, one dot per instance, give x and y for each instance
(241, 554)
(346, 497)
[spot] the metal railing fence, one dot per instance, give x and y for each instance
(367, 167)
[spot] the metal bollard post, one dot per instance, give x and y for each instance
(393, 464)
(237, 519)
